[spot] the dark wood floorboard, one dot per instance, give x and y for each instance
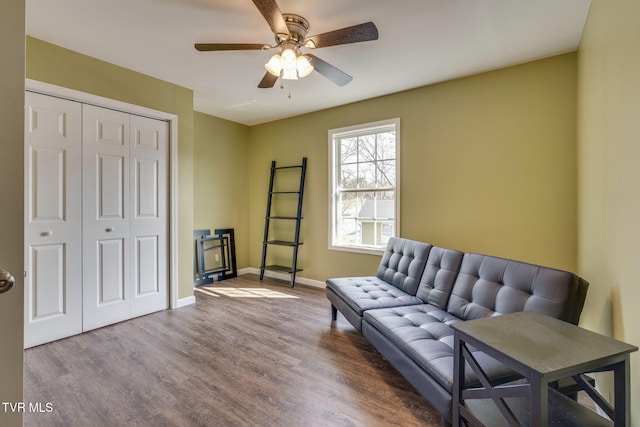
(240, 356)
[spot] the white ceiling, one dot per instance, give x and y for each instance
(421, 42)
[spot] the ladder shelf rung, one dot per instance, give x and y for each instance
(287, 167)
(284, 217)
(282, 243)
(281, 268)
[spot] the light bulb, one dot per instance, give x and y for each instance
(274, 66)
(303, 66)
(289, 74)
(288, 59)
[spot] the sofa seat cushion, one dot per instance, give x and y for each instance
(366, 293)
(423, 333)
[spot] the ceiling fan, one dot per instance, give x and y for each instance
(290, 33)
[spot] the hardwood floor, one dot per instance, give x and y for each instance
(248, 353)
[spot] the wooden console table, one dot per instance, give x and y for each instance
(543, 350)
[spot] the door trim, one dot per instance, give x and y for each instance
(172, 119)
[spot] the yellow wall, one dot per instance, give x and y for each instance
(488, 165)
(12, 22)
(609, 175)
(221, 180)
(52, 64)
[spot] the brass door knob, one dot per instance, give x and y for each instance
(6, 281)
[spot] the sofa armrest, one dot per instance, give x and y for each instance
(576, 300)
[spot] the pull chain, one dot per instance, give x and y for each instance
(282, 88)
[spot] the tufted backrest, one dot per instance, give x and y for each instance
(403, 262)
(439, 276)
(488, 286)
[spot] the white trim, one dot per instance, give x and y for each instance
(247, 270)
(172, 119)
(357, 128)
(358, 250)
(99, 101)
(183, 302)
(173, 212)
(283, 276)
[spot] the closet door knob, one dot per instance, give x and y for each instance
(109, 229)
(6, 281)
(46, 233)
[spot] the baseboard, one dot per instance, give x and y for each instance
(183, 302)
(283, 276)
(248, 271)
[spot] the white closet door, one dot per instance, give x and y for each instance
(96, 217)
(53, 252)
(149, 225)
(106, 252)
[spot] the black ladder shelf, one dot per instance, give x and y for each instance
(295, 243)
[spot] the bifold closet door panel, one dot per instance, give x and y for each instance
(149, 216)
(106, 216)
(53, 217)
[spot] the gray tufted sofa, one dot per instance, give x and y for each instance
(419, 290)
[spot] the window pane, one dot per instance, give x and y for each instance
(386, 145)
(367, 148)
(386, 232)
(348, 205)
(366, 220)
(385, 205)
(386, 176)
(349, 176)
(366, 203)
(367, 175)
(391, 196)
(348, 150)
(348, 231)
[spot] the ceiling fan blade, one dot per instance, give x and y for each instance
(334, 74)
(206, 47)
(354, 34)
(271, 13)
(267, 81)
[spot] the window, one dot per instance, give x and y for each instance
(364, 186)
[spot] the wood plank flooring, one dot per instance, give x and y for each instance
(248, 353)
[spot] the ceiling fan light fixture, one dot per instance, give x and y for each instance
(290, 65)
(290, 31)
(303, 66)
(274, 66)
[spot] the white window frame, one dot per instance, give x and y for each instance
(334, 167)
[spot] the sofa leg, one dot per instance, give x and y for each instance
(334, 312)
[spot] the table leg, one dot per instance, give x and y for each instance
(458, 373)
(538, 401)
(622, 399)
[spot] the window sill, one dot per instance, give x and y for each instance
(358, 249)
